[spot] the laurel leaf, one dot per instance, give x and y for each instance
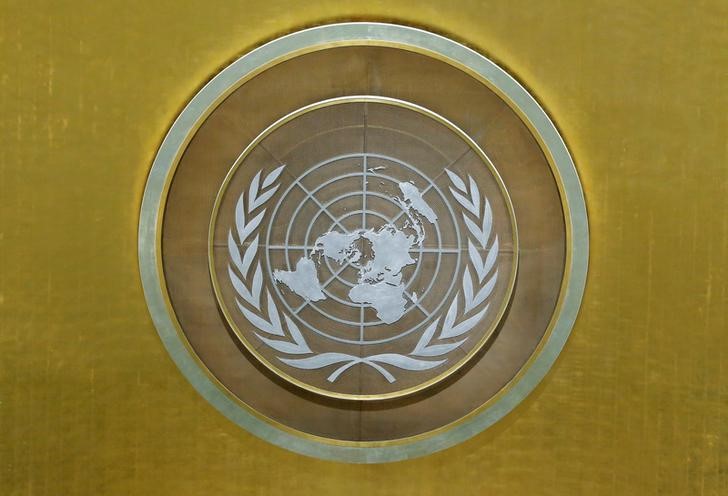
(240, 217)
(318, 361)
(271, 178)
(250, 252)
(234, 252)
(487, 222)
(457, 182)
(296, 335)
(240, 288)
(264, 198)
(426, 337)
(468, 324)
(282, 346)
(468, 290)
(402, 362)
(255, 319)
(485, 290)
(474, 230)
(477, 261)
(257, 284)
(491, 257)
(464, 202)
(275, 319)
(474, 195)
(439, 349)
(452, 313)
(250, 227)
(253, 191)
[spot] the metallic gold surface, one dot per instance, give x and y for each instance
(90, 403)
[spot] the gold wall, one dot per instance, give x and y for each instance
(90, 402)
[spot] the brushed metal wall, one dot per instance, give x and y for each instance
(90, 403)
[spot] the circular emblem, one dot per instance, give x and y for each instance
(355, 273)
(363, 242)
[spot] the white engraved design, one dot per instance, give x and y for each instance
(380, 282)
(375, 194)
(429, 352)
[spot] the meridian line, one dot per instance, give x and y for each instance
(364, 194)
(363, 211)
(363, 220)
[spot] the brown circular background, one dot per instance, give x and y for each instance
(389, 72)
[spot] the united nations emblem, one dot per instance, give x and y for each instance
(374, 270)
(363, 242)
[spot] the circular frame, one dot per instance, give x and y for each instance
(511, 276)
(406, 38)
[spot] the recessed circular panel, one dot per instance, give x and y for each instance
(363, 242)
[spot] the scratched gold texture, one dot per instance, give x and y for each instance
(90, 402)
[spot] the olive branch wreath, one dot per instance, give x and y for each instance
(428, 352)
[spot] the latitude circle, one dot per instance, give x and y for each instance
(458, 56)
(311, 195)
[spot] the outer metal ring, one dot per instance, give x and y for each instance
(408, 39)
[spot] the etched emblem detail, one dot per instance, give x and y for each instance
(378, 256)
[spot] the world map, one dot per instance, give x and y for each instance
(379, 255)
